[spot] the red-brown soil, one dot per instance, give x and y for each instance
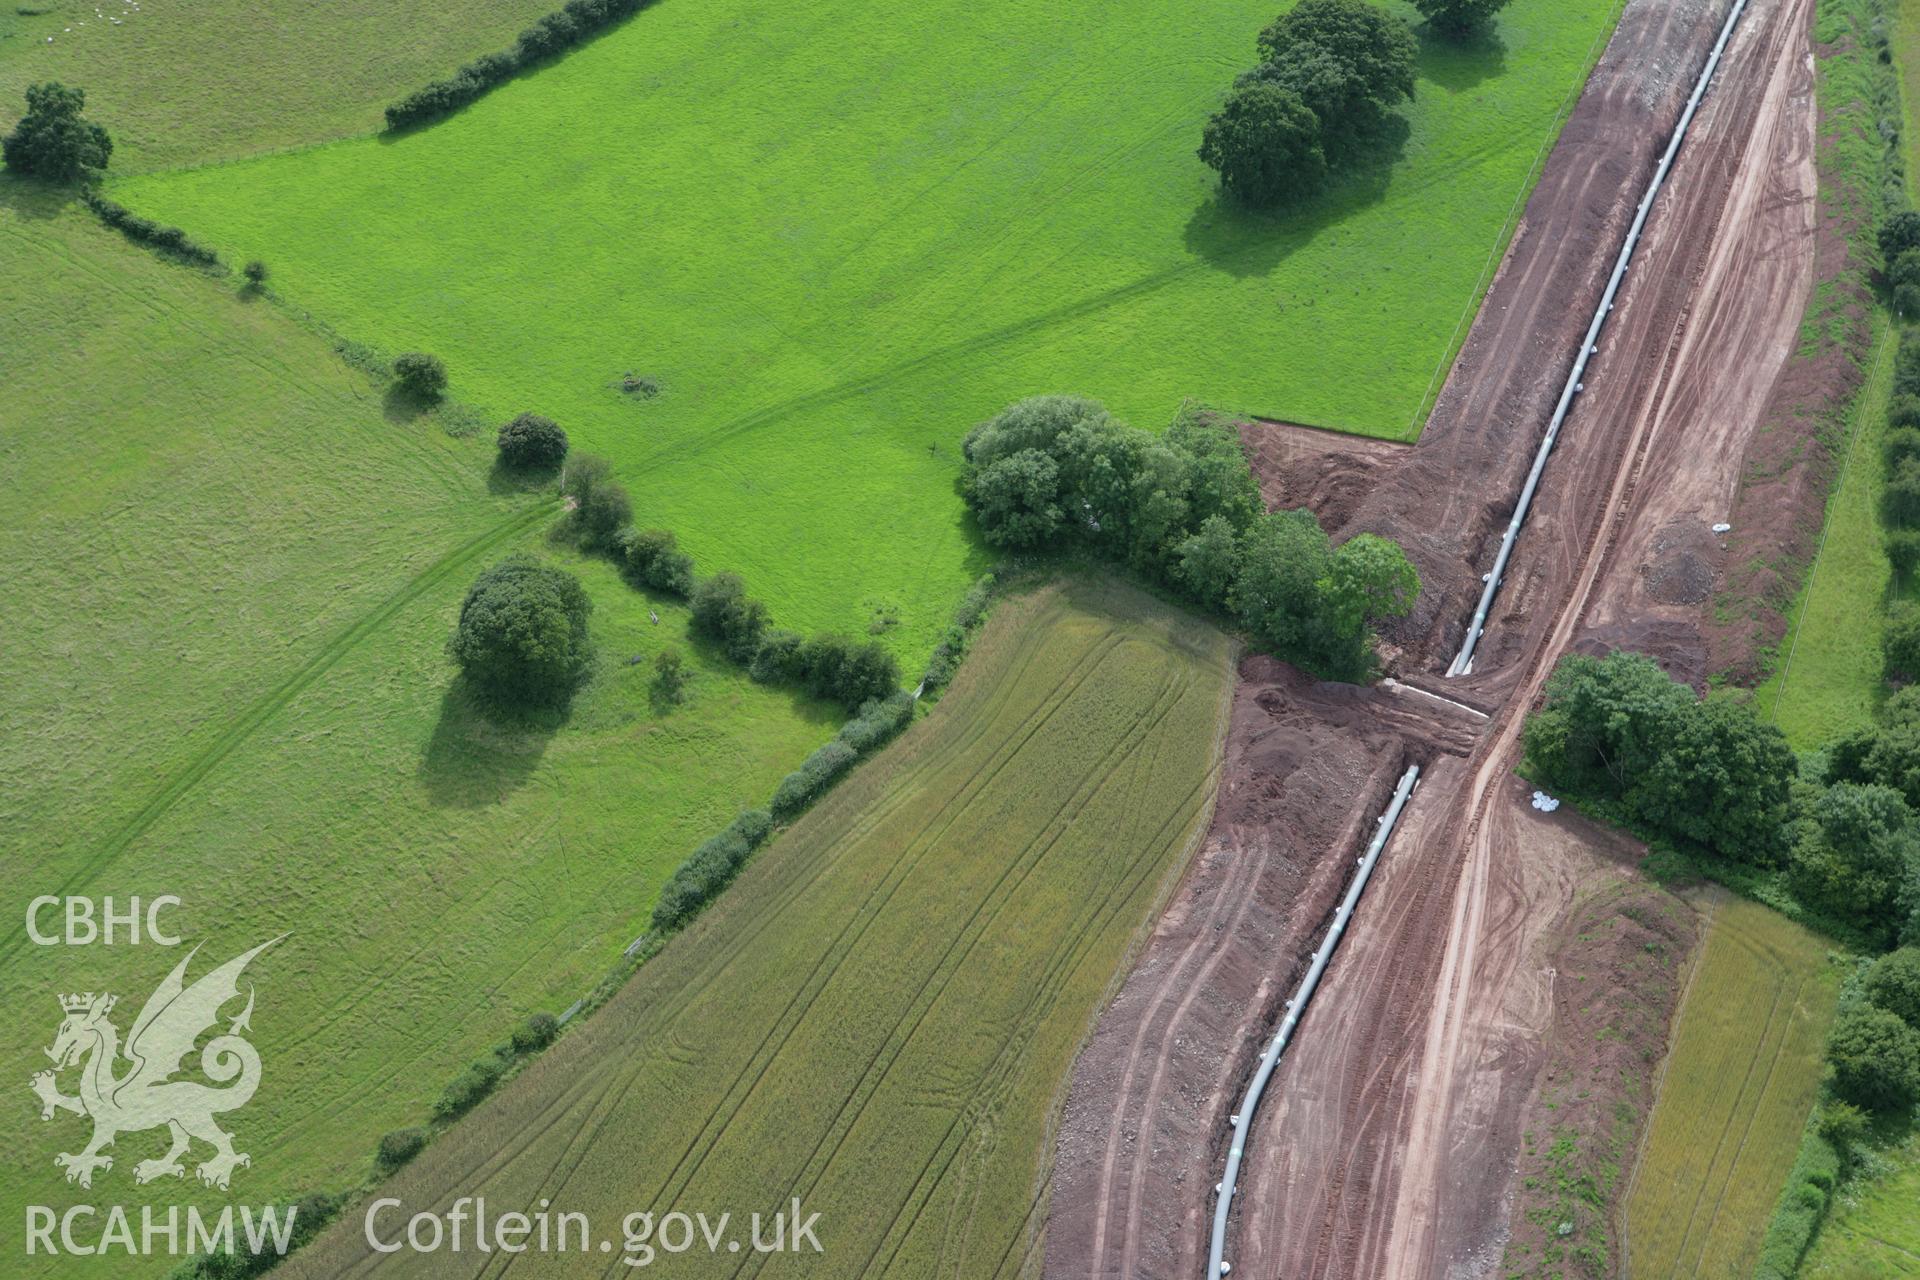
(1615, 971)
(1390, 1137)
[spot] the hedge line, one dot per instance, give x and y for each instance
(578, 22)
(310, 1213)
(712, 866)
(146, 231)
(959, 634)
(710, 869)
(480, 1077)
(1803, 1206)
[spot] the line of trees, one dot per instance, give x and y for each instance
(159, 235)
(1322, 95)
(1059, 472)
(1899, 239)
(829, 666)
(575, 23)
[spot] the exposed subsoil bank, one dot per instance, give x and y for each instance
(1616, 964)
(1790, 464)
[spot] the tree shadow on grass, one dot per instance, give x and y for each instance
(503, 479)
(33, 200)
(401, 406)
(1459, 62)
(481, 753)
(1246, 242)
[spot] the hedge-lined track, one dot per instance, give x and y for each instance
(902, 977)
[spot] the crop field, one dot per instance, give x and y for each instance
(836, 235)
(1741, 1075)
(226, 681)
(879, 1016)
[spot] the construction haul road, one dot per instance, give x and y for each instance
(1389, 1137)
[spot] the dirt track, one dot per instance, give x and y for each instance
(1390, 1137)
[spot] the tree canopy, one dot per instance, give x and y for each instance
(1265, 144)
(522, 634)
(1893, 983)
(532, 443)
(53, 140)
(1876, 1058)
(1618, 728)
(420, 374)
(1330, 72)
(1183, 508)
(1458, 16)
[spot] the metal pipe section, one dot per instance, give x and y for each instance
(1217, 1266)
(1463, 662)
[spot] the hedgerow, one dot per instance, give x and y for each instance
(710, 869)
(958, 635)
(146, 231)
(578, 22)
(1802, 1207)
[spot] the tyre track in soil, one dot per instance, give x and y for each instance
(1389, 1143)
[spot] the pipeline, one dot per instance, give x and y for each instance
(1217, 1266)
(1463, 662)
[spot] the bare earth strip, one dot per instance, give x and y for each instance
(1390, 1138)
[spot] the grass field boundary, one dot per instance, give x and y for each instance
(1710, 909)
(1884, 341)
(1504, 242)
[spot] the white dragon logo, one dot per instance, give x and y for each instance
(145, 1096)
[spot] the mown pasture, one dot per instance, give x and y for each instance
(879, 1016)
(217, 79)
(233, 569)
(1742, 1072)
(836, 235)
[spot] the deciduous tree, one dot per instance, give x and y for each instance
(1265, 144)
(522, 634)
(53, 140)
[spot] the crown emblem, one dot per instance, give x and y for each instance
(81, 1003)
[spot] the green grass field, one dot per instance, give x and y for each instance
(1829, 677)
(1741, 1075)
(1829, 680)
(233, 572)
(838, 236)
(1873, 1230)
(879, 1017)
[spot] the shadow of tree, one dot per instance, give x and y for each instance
(503, 479)
(401, 406)
(1246, 242)
(480, 753)
(34, 200)
(1458, 62)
